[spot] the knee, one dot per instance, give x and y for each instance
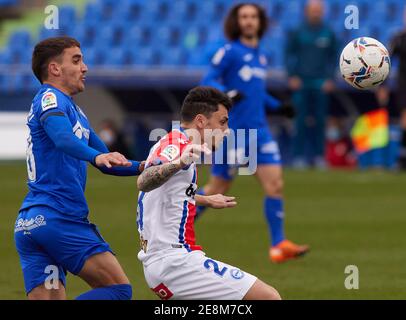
(262, 291)
(269, 293)
(274, 188)
(272, 294)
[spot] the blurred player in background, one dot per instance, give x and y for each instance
(311, 59)
(239, 68)
(397, 48)
(174, 266)
(52, 229)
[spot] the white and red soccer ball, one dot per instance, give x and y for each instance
(365, 63)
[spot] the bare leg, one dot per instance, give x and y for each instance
(262, 291)
(42, 293)
(102, 270)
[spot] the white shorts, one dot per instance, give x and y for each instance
(193, 276)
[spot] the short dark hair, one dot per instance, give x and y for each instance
(231, 27)
(203, 100)
(47, 49)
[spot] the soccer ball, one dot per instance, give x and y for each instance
(365, 63)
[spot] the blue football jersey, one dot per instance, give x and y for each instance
(239, 67)
(55, 179)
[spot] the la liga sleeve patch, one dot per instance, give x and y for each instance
(48, 101)
(170, 152)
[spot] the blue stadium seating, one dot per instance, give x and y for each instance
(185, 32)
(67, 17)
(19, 40)
(4, 3)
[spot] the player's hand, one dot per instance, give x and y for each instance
(235, 96)
(219, 201)
(287, 109)
(193, 153)
(142, 166)
(112, 159)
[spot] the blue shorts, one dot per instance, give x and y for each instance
(266, 151)
(44, 237)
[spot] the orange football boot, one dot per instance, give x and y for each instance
(286, 250)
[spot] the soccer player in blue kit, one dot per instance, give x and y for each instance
(52, 232)
(239, 68)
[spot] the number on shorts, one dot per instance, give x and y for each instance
(217, 270)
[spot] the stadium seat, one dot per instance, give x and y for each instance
(145, 56)
(211, 11)
(111, 35)
(195, 36)
(67, 17)
(47, 33)
(196, 59)
(89, 54)
(181, 10)
(33, 84)
(172, 57)
(116, 57)
(4, 83)
(129, 31)
(135, 36)
(79, 33)
(5, 3)
(6, 57)
(157, 10)
(162, 37)
(130, 10)
(215, 34)
(19, 40)
(206, 54)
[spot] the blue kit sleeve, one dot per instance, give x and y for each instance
(59, 129)
(219, 64)
(96, 143)
(272, 103)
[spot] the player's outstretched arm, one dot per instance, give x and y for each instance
(215, 201)
(134, 169)
(59, 130)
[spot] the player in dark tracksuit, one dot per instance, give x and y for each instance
(397, 48)
(311, 59)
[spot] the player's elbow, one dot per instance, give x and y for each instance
(62, 141)
(142, 185)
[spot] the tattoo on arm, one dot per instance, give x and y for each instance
(155, 176)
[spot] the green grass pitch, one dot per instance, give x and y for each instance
(348, 218)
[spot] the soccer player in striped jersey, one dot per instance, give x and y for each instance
(174, 265)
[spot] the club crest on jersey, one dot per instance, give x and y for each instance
(48, 101)
(237, 274)
(170, 152)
